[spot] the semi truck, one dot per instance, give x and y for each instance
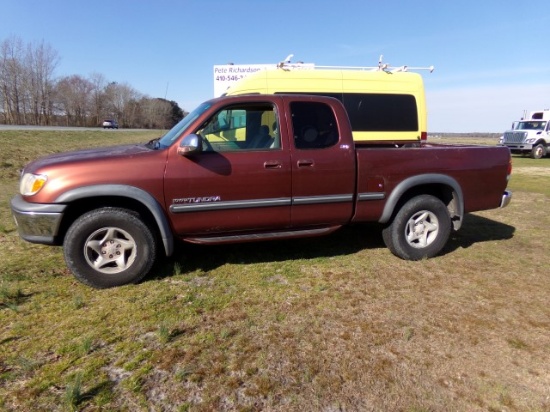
(529, 136)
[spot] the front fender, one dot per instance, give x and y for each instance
(131, 192)
(457, 212)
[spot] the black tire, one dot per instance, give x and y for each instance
(538, 151)
(419, 230)
(126, 242)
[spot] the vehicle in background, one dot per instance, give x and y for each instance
(529, 136)
(385, 105)
(110, 124)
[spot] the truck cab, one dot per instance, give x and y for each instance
(529, 136)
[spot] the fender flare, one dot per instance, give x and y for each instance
(131, 192)
(543, 142)
(421, 180)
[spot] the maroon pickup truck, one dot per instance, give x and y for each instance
(248, 168)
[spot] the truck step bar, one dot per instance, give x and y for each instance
(253, 237)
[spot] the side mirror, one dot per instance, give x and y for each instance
(190, 144)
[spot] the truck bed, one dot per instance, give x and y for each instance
(381, 170)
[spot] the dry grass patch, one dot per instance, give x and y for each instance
(534, 171)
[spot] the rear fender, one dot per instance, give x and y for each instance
(455, 205)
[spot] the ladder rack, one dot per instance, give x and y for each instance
(286, 64)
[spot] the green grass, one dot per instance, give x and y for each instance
(334, 323)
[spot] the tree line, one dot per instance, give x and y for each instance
(31, 94)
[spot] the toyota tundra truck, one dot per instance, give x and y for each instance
(248, 168)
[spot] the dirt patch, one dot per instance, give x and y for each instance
(533, 171)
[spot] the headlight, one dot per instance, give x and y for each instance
(31, 184)
(530, 141)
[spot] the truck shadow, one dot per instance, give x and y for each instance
(477, 229)
(189, 258)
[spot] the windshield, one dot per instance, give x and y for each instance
(179, 128)
(531, 126)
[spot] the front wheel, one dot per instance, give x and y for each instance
(109, 247)
(419, 230)
(538, 151)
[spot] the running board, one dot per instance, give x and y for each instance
(256, 237)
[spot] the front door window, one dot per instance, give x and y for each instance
(241, 128)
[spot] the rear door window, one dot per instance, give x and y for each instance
(314, 125)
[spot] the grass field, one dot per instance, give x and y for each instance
(330, 324)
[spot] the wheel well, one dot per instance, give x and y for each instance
(441, 191)
(79, 207)
(545, 145)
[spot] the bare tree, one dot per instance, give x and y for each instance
(156, 113)
(30, 94)
(11, 80)
(119, 99)
(74, 95)
(41, 61)
(99, 98)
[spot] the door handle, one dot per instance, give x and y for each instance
(305, 163)
(272, 164)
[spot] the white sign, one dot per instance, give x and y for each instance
(227, 74)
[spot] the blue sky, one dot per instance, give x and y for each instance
(491, 58)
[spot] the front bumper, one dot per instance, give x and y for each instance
(506, 198)
(37, 222)
(518, 146)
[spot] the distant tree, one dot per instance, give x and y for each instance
(177, 113)
(30, 93)
(11, 80)
(40, 62)
(74, 96)
(98, 98)
(160, 113)
(155, 113)
(119, 98)
(26, 81)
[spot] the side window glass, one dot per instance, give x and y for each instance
(381, 112)
(242, 127)
(314, 125)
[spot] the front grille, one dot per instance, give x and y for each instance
(514, 137)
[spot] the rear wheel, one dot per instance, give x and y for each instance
(419, 230)
(109, 247)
